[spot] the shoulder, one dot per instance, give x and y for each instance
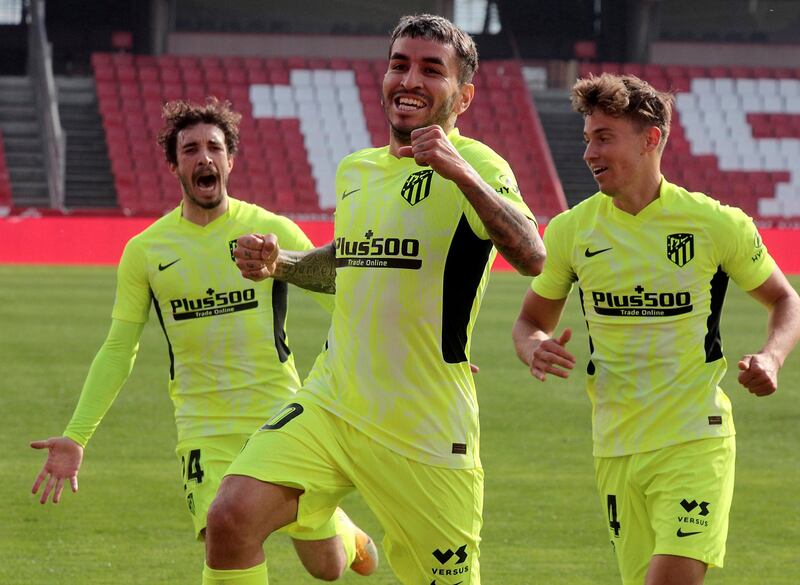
(474, 151)
(364, 155)
(156, 230)
(581, 213)
(707, 210)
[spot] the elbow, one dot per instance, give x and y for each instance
(533, 266)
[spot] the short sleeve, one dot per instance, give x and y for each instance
(555, 281)
(497, 173)
(744, 256)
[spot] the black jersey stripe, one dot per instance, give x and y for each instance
(713, 341)
(590, 367)
(166, 335)
(463, 269)
(280, 301)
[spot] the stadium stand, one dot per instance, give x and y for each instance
(300, 116)
(735, 134)
(5, 181)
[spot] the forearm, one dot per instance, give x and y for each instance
(783, 329)
(109, 370)
(512, 233)
(527, 337)
(312, 269)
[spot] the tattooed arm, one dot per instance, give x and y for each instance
(259, 257)
(514, 235)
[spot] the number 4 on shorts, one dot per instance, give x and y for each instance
(612, 514)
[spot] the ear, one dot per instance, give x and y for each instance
(173, 168)
(230, 163)
(466, 92)
(652, 138)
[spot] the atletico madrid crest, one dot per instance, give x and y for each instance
(680, 248)
(417, 186)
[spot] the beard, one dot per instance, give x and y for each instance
(439, 116)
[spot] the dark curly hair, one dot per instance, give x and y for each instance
(179, 115)
(625, 96)
(437, 28)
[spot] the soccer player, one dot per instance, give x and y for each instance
(389, 407)
(230, 362)
(652, 262)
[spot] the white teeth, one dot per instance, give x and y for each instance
(410, 102)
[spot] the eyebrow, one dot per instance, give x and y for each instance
(402, 57)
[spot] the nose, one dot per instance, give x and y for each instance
(588, 152)
(412, 78)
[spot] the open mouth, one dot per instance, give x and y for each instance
(408, 103)
(206, 181)
(597, 171)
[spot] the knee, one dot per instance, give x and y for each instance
(223, 520)
(326, 569)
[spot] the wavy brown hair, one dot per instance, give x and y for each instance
(179, 115)
(625, 96)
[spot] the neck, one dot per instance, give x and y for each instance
(201, 216)
(636, 197)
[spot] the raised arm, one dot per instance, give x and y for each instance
(514, 235)
(758, 372)
(259, 257)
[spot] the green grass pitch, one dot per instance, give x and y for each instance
(543, 521)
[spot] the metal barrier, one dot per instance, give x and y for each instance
(40, 69)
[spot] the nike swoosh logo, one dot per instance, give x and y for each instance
(681, 534)
(346, 194)
(165, 266)
(589, 253)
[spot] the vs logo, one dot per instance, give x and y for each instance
(689, 506)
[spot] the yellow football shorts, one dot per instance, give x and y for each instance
(204, 462)
(672, 501)
(431, 516)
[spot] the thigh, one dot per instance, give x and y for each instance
(203, 464)
(689, 498)
(625, 508)
(431, 516)
(298, 448)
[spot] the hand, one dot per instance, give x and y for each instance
(430, 147)
(64, 459)
(759, 373)
(550, 357)
(257, 255)
(474, 369)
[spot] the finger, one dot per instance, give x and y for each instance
(250, 241)
(254, 275)
(405, 151)
(73, 483)
(538, 374)
(59, 489)
(47, 489)
(433, 130)
(744, 363)
(39, 479)
(474, 369)
(45, 444)
(556, 371)
(565, 336)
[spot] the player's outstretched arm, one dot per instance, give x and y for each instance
(64, 457)
(534, 345)
(758, 372)
(514, 235)
(259, 257)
